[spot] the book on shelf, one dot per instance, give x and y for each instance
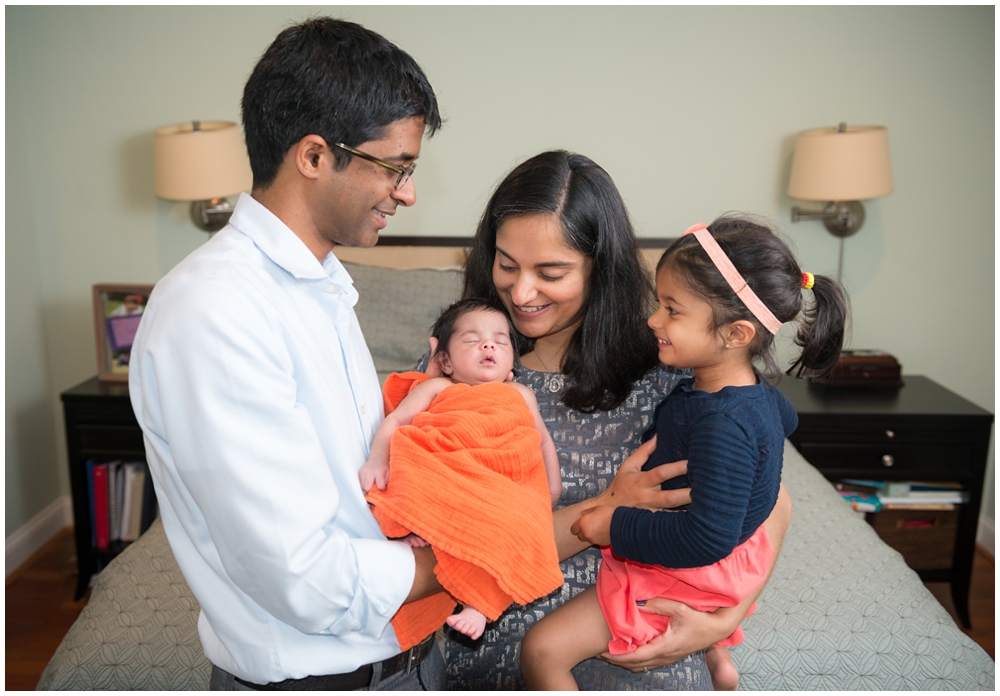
(122, 501)
(908, 494)
(862, 502)
(101, 521)
(132, 517)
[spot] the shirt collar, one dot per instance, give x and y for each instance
(278, 242)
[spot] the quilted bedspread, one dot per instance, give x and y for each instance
(841, 612)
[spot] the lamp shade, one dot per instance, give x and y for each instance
(846, 164)
(199, 161)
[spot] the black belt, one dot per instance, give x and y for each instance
(358, 679)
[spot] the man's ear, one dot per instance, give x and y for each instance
(739, 334)
(311, 156)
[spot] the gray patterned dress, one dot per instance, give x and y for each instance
(591, 447)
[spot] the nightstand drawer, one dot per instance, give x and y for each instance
(911, 460)
(875, 433)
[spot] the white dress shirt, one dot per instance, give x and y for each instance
(258, 399)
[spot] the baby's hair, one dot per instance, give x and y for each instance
(770, 269)
(444, 327)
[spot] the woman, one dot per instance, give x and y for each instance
(556, 248)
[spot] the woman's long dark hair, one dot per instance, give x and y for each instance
(770, 269)
(613, 347)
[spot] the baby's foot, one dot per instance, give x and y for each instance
(415, 541)
(469, 621)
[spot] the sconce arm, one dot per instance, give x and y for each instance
(211, 215)
(841, 218)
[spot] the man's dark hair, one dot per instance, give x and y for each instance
(334, 79)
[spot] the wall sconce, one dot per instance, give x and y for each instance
(843, 166)
(202, 162)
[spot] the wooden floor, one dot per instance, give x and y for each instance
(40, 608)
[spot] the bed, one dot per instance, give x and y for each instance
(842, 611)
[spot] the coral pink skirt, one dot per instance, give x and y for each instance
(621, 584)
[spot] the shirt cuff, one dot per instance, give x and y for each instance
(385, 577)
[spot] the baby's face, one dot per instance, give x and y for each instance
(480, 349)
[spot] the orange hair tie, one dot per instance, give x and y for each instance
(736, 281)
(808, 280)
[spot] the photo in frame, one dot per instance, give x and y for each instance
(117, 311)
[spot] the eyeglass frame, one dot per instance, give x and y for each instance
(403, 174)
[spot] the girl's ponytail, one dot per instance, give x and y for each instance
(821, 330)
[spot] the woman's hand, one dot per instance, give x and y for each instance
(634, 487)
(689, 631)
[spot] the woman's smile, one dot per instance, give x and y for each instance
(541, 280)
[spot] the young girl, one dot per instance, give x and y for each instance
(474, 473)
(723, 293)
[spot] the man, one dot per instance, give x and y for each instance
(257, 395)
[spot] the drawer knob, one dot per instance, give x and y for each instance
(890, 434)
(888, 460)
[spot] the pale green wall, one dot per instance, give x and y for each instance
(691, 110)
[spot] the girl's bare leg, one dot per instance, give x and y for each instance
(725, 676)
(469, 621)
(563, 639)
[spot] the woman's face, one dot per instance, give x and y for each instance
(541, 280)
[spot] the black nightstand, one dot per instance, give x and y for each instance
(921, 431)
(100, 425)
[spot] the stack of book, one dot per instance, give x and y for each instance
(122, 501)
(873, 496)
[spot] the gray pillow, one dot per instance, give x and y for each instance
(397, 308)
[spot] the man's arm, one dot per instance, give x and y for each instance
(258, 493)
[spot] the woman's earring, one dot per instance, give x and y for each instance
(728, 346)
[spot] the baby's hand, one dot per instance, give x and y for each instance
(415, 541)
(594, 525)
(373, 473)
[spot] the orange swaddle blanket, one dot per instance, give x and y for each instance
(467, 476)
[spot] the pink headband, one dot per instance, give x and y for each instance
(733, 277)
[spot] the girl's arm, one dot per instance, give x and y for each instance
(690, 630)
(722, 485)
(631, 487)
(549, 456)
(376, 470)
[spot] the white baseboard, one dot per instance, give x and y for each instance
(985, 534)
(37, 532)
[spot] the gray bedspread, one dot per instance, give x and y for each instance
(841, 612)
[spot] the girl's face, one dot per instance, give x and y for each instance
(682, 324)
(541, 280)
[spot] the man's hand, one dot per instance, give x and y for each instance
(594, 525)
(425, 581)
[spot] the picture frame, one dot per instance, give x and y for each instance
(118, 309)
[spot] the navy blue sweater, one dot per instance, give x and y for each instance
(733, 440)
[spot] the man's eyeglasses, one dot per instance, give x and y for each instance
(403, 174)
